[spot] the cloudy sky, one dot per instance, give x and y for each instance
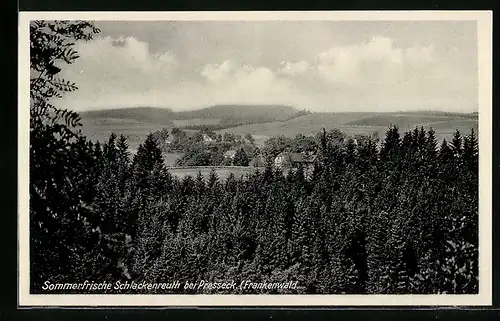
(316, 65)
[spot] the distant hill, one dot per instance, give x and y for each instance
(410, 119)
(138, 114)
(137, 122)
(233, 114)
(241, 113)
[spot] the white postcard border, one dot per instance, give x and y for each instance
(484, 298)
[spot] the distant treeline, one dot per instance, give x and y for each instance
(230, 122)
(440, 113)
(213, 127)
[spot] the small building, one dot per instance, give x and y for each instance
(207, 139)
(291, 161)
(229, 157)
(285, 159)
(230, 154)
(168, 141)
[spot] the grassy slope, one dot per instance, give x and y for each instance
(364, 123)
(240, 112)
(162, 116)
(307, 124)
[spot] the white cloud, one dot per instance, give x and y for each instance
(417, 55)
(294, 68)
(229, 82)
(122, 53)
(113, 66)
(377, 74)
(375, 61)
(219, 72)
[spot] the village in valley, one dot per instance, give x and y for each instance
(206, 149)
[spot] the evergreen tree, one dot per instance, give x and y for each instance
(241, 158)
(471, 152)
(457, 144)
(431, 146)
(147, 158)
(391, 145)
(445, 152)
(350, 151)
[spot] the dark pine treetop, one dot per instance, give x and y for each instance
(148, 155)
(241, 158)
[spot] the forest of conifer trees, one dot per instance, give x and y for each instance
(396, 217)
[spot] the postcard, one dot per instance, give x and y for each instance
(287, 158)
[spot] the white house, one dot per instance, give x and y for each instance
(207, 139)
(230, 154)
(291, 161)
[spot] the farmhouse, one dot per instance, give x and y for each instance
(285, 159)
(207, 139)
(291, 161)
(168, 141)
(229, 156)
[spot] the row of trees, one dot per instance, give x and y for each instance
(402, 218)
(178, 140)
(197, 151)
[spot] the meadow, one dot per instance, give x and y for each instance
(196, 122)
(134, 130)
(361, 123)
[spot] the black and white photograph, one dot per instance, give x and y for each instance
(249, 158)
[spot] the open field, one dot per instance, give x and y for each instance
(196, 122)
(307, 124)
(360, 123)
(222, 171)
(135, 131)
